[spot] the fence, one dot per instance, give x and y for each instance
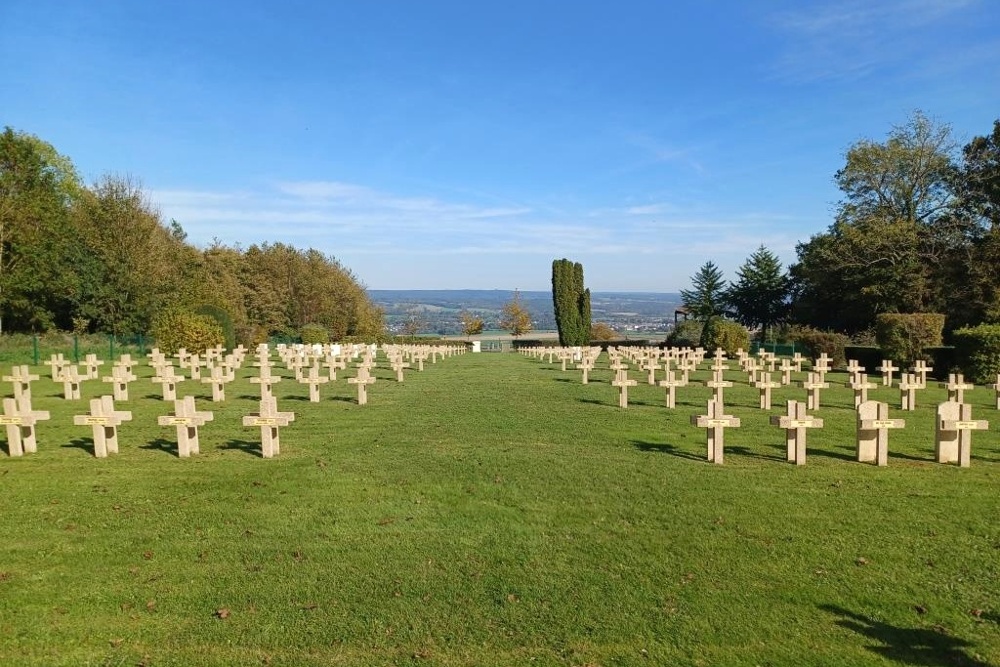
(781, 350)
(17, 349)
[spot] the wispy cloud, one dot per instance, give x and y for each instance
(852, 39)
(347, 219)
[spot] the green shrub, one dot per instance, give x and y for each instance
(903, 336)
(685, 334)
(314, 333)
(725, 334)
(816, 342)
(224, 321)
(977, 352)
(175, 329)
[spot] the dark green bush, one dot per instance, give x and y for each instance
(725, 334)
(816, 342)
(977, 352)
(868, 356)
(941, 359)
(903, 336)
(685, 334)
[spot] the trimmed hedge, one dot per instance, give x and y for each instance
(941, 359)
(817, 342)
(903, 336)
(977, 352)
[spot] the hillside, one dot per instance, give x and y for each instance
(438, 310)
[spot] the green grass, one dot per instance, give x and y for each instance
(493, 510)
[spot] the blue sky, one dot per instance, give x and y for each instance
(460, 144)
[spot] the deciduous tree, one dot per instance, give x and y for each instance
(514, 317)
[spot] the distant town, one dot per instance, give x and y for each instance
(437, 312)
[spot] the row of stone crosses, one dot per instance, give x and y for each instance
(954, 423)
(215, 368)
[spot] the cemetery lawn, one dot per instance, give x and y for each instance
(492, 510)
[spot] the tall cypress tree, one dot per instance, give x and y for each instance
(571, 302)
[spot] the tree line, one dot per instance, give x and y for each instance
(99, 258)
(917, 231)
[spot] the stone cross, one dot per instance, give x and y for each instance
(715, 423)
(786, 372)
(398, 365)
(821, 366)
(860, 384)
(671, 384)
(195, 364)
(887, 370)
(104, 420)
(873, 432)
(797, 361)
(795, 422)
(855, 369)
(996, 388)
(685, 366)
(587, 365)
(765, 385)
(957, 387)
(218, 377)
(21, 378)
(751, 367)
(20, 421)
(719, 361)
(953, 435)
(119, 379)
(314, 380)
(265, 380)
(71, 383)
(564, 354)
(269, 419)
(812, 385)
(362, 380)
(921, 369)
(718, 384)
(334, 363)
(187, 420)
(908, 385)
(168, 382)
(623, 382)
(651, 366)
(57, 364)
(91, 363)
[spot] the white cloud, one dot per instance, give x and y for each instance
(852, 39)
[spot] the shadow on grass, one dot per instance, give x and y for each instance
(666, 448)
(162, 445)
(565, 380)
(850, 454)
(911, 646)
(246, 446)
(746, 451)
(594, 401)
(86, 444)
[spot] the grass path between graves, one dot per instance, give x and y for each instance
(492, 510)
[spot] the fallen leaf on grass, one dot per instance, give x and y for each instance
(386, 520)
(147, 554)
(861, 561)
(151, 605)
(978, 613)
(222, 613)
(115, 643)
(920, 609)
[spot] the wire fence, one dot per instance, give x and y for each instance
(35, 349)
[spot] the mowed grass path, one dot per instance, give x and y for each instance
(494, 511)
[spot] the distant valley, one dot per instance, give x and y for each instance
(437, 311)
